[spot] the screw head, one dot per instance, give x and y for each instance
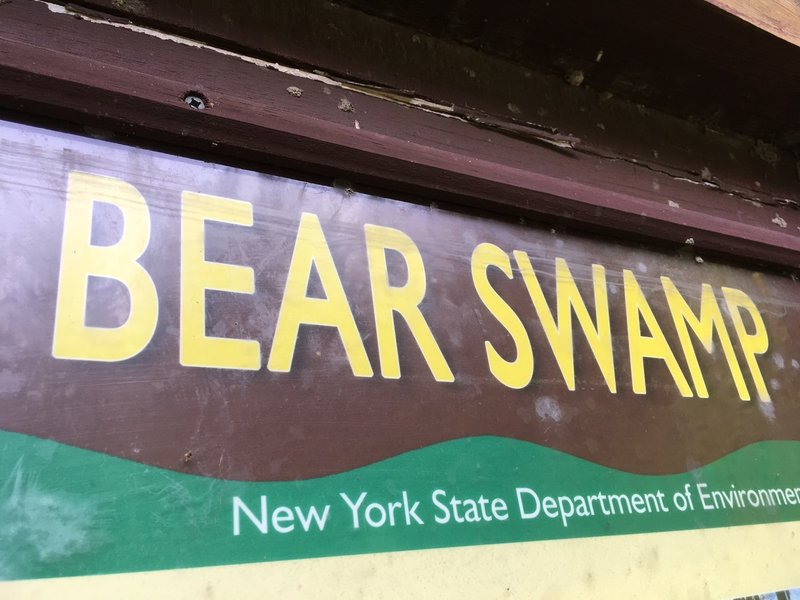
(195, 100)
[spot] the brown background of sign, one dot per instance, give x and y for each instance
(319, 419)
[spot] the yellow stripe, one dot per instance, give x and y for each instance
(711, 563)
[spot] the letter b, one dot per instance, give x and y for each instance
(72, 338)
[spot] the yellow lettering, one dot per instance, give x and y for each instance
(752, 344)
(403, 300)
(703, 328)
(569, 300)
(518, 372)
(652, 346)
(198, 275)
(72, 338)
(311, 250)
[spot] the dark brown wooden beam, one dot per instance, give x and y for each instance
(57, 65)
(686, 57)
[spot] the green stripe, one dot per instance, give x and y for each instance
(66, 511)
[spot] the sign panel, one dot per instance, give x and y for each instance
(202, 365)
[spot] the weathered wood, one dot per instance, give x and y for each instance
(779, 17)
(685, 57)
(93, 73)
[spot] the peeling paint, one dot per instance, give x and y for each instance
(316, 75)
(692, 178)
(779, 221)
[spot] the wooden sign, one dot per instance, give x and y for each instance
(202, 365)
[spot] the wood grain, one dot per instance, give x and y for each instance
(779, 17)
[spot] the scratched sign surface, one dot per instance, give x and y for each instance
(204, 365)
